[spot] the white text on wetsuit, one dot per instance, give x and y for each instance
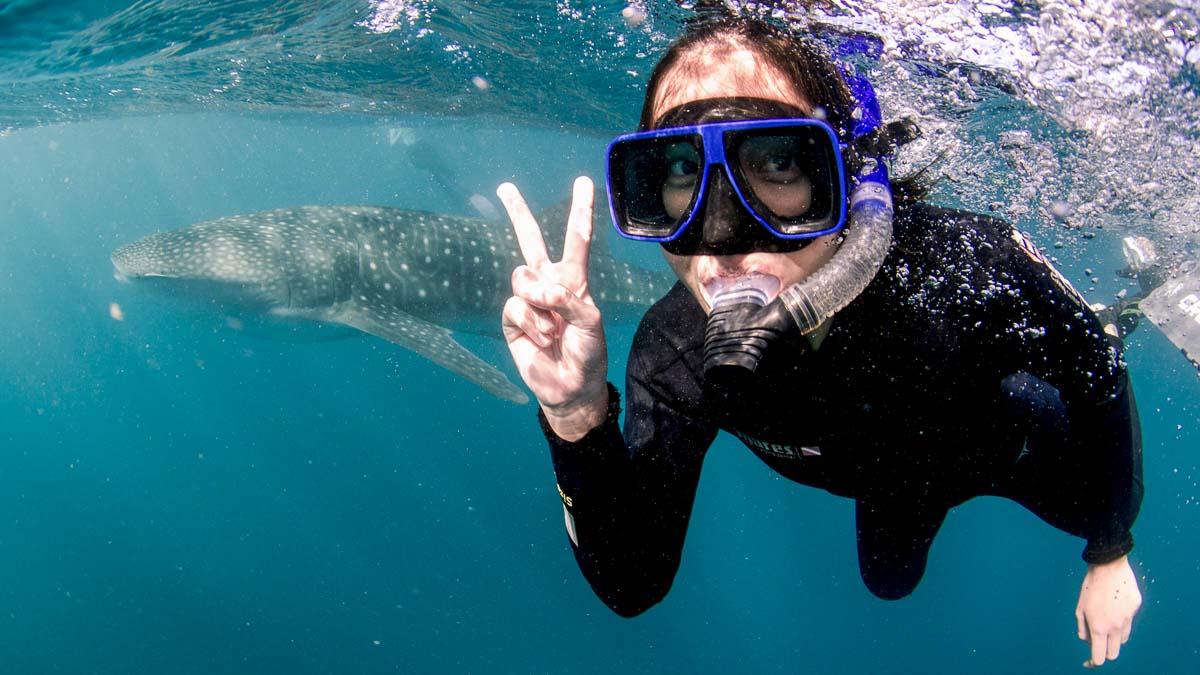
(776, 449)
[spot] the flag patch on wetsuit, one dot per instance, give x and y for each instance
(1026, 243)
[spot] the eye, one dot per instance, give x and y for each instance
(782, 168)
(774, 160)
(680, 174)
(682, 166)
(780, 164)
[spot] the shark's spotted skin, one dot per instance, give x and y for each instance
(398, 274)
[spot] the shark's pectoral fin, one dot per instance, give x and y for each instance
(431, 341)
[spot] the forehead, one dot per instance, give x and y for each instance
(717, 73)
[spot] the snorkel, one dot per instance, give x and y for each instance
(847, 274)
(744, 321)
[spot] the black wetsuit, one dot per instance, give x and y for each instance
(967, 367)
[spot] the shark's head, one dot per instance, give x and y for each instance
(200, 253)
(216, 261)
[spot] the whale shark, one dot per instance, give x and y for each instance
(407, 276)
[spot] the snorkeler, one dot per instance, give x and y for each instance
(857, 340)
(1168, 294)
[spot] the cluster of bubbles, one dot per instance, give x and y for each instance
(1072, 115)
(1069, 115)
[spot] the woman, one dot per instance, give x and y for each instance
(913, 360)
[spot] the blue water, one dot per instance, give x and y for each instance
(180, 497)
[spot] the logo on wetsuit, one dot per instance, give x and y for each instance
(567, 501)
(776, 449)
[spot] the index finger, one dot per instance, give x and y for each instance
(579, 227)
(529, 235)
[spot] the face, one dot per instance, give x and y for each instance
(768, 164)
(726, 73)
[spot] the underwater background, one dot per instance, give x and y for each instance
(180, 496)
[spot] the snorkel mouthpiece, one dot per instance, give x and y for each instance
(752, 287)
(743, 321)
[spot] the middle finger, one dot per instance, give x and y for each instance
(1099, 649)
(579, 230)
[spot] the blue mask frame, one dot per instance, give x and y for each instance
(713, 143)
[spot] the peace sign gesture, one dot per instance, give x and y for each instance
(552, 326)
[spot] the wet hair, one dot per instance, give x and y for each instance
(805, 64)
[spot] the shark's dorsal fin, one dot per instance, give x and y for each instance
(429, 340)
(553, 221)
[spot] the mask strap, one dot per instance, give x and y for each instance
(868, 137)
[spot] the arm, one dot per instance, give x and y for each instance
(1069, 349)
(627, 507)
(1109, 596)
(1058, 338)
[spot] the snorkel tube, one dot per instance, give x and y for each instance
(742, 323)
(846, 275)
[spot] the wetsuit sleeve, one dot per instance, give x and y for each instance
(628, 503)
(1058, 338)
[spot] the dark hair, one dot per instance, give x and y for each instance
(806, 64)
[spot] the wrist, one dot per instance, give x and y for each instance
(573, 421)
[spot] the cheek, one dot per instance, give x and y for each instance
(810, 258)
(684, 267)
(675, 201)
(786, 201)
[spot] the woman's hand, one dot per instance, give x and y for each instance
(551, 324)
(1107, 602)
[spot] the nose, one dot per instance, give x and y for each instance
(724, 216)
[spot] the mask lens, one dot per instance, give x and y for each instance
(654, 182)
(790, 176)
